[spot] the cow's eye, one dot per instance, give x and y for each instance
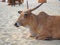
(25, 15)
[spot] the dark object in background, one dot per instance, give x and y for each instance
(42, 1)
(3, 0)
(13, 2)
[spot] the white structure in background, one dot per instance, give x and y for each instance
(6, 0)
(0, 0)
(53, 0)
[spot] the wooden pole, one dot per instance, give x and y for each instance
(27, 5)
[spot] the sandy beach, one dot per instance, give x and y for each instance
(11, 35)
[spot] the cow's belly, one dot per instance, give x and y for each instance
(56, 34)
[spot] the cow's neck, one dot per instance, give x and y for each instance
(33, 21)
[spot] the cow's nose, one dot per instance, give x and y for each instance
(16, 24)
(19, 12)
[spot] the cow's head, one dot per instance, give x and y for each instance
(25, 17)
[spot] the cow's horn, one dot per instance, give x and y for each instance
(36, 7)
(27, 5)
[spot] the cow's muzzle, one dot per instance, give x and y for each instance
(17, 24)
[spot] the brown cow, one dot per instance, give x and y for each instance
(13, 2)
(42, 26)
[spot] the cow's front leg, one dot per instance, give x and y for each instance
(44, 36)
(33, 34)
(19, 2)
(13, 2)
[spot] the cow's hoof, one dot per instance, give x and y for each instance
(33, 37)
(13, 5)
(9, 4)
(48, 38)
(41, 38)
(19, 4)
(37, 38)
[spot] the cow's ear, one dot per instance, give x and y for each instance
(19, 12)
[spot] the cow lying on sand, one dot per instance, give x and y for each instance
(42, 26)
